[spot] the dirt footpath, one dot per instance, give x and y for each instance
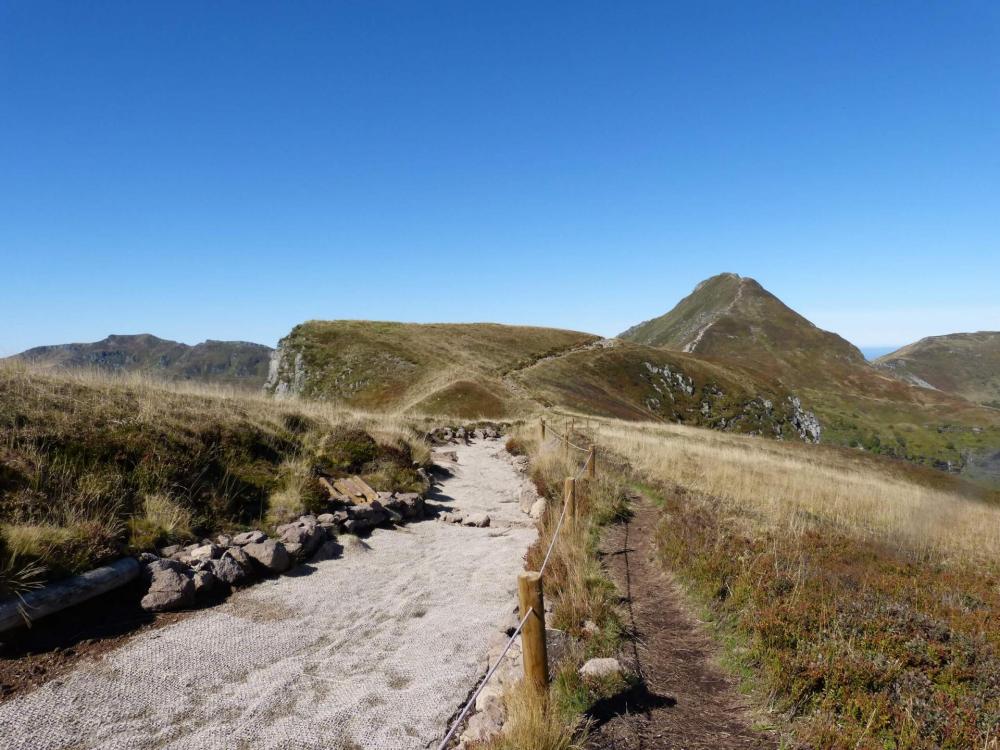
(686, 702)
(377, 649)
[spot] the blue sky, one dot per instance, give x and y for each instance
(228, 169)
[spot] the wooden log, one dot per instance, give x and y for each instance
(66, 593)
(569, 497)
(592, 463)
(346, 487)
(530, 598)
(367, 492)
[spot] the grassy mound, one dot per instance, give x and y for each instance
(92, 467)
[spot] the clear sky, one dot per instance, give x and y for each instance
(228, 169)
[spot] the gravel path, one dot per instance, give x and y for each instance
(376, 649)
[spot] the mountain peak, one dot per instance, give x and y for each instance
(733, 316)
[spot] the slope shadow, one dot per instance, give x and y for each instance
(636, 700)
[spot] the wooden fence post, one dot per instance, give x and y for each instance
(592, 464)
(542, 423)
(536, 661)
(569, 497)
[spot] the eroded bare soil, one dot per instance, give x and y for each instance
(685, 700)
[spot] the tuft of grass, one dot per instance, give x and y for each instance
(532, 723)
(162, 521)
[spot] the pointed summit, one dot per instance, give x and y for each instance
(735, 317)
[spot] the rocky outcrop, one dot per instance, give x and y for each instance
(286, 372)
(677, 397)
(805, 422)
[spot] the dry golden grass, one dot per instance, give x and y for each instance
(531, 723)
(793, 486)
(856, 596)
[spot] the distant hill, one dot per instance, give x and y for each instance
(458, 369)
(225, 362)
(963, 364)
(733, 321)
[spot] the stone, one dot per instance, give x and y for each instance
(477, 519)
(249, 537)
(146, 557)
(240, 557)
(600, 668)
(491, 694)
(328, 550)
(204, 582)
(224, 540)
(323, 518)
(484, 724)
(170, 550)
(449, 517)
(270, 555)
(294, 549)
(206, 552)
(229, 572)
(538, 509)
(171, 587)
(304, 534)
(526, 499)
(413, 504)
(366, 515)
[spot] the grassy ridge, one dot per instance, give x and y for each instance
(92, 466)
(457, 368)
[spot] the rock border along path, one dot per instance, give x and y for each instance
(376, 649)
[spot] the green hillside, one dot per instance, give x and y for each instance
(962, 364)
(631, 381)
(734, 321)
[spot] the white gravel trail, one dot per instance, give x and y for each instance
(376, 649)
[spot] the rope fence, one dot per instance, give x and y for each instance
(471, 702)
(530, 629)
